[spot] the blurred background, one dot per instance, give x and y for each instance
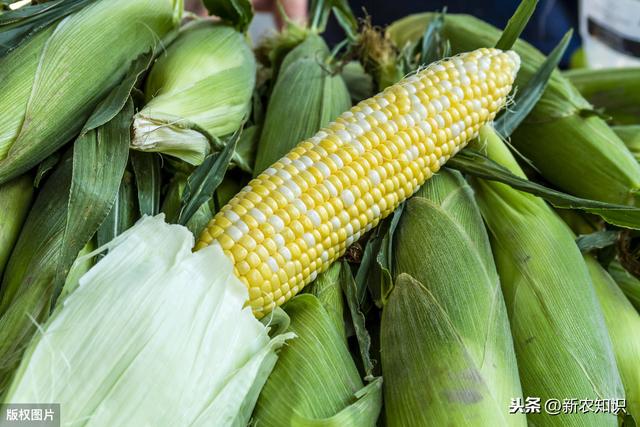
(551, 20)
(608, 30)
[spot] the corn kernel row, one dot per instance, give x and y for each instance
(301, 214)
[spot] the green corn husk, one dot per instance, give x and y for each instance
(623, 323)
(15, 199)
(315, 381)
(630, 135)
(227, 189)
(628, 283)
(81, 266)
(328, 289)
(74, 200)
(204, 81)
(52, 83)
(171, 206)
(161, 338)
(358, 81)
(561, 126)
(305, 97)
(453, 363)
(614, 90)
(560, 337)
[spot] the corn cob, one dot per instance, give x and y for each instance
(557, 128)
(51, 84)
(300, 215)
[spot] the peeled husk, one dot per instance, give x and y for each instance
(159, 338)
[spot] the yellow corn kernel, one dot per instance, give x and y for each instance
(359, 167)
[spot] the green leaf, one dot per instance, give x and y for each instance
(99, 160)
(123, 214)
(516, 24)
(385, 255)
(358, 319)
(477, 164)
(629, 283)
(529, 96)
(441, 231)
(67, 210)
(238, 13)
(344, 15)
(27, 286)
(204, 180)
(432, 40)
(115, 101)
(146, 167)
(320, 10)
(45, 167)
(17, 26)
(597, 240)
(245, 154)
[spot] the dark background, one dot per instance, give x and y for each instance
(551, 20)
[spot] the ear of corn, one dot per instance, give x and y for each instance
(300, 215)
(166, 310)
(561, 341)
(628, 283)
(206, 79)
(560, 127)
(614, 90)
(307, 94)
(623, 323)
(440, 232)
(15, 200)
(315, 378)
(52, 83)
(420, 389)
